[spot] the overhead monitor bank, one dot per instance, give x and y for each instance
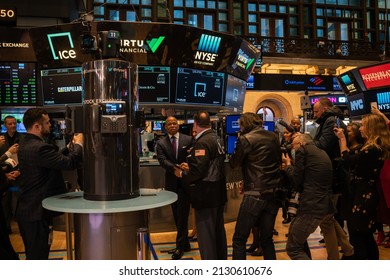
(367, 86)
(160, 49)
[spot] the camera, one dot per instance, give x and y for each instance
(9, 165)
(88, 43)
(293, 204)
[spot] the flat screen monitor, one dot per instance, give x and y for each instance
(154, 84)
(62, 86)
(270, 126)
(158, 125)
(19, 120)
(199, 87)
(232, 126)
(231, 144)
(235, 92)
(18, 84)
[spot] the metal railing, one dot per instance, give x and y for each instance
(315, 48)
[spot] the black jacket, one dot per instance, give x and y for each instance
(40, 175)
(258, 153)
(325, 138)
(205, 179)
(167, 158)
(311, 175)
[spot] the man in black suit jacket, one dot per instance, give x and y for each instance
(169, 158)
(40, 167)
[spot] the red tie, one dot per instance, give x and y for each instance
(174, 145)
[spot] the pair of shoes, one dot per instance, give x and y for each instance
(275, 232)
(380, 238)
(177, 254)
(321, 241)
(286, 221)
(171, 251)
(251, 249)
(258, 252)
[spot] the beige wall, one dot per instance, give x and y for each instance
(284, 104)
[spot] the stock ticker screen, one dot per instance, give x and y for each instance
(62, 86)
(154, 84)
(18, 84)
(195, 86)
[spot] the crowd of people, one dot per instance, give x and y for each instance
(337, 180)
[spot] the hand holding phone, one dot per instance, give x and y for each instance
(338, 122)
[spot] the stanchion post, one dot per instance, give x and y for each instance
(142, 244)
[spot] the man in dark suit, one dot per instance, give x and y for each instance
(40, 167)
(204, 177)
(173, 150)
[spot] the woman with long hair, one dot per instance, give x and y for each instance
(367, 163)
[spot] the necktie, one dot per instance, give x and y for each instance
(174, 144)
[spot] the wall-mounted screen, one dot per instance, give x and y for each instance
(231, 144)
(18, 84)
(61, 86)
(232, 126)
(199, 87)
(235, 92)
(19, 120)
(270, 126)
(154, 84)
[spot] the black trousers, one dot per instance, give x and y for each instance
(211, 233)
(35, 237)
(6, 250)
(181, 210)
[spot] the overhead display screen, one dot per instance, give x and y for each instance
(199, 87)
(154, 84)
(18, 84)
(235, 92)
(376, 76)
(62, 86)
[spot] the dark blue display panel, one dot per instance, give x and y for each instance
(18, 84)
(235, 93)
(231, 144)
(195, 86)
(154, 84)
(62, 86)
(232, 126)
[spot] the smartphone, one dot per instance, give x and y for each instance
(338, 122)
(373, 104)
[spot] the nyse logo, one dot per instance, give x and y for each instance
(208, 48)
(63, 39)
(357, 104)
